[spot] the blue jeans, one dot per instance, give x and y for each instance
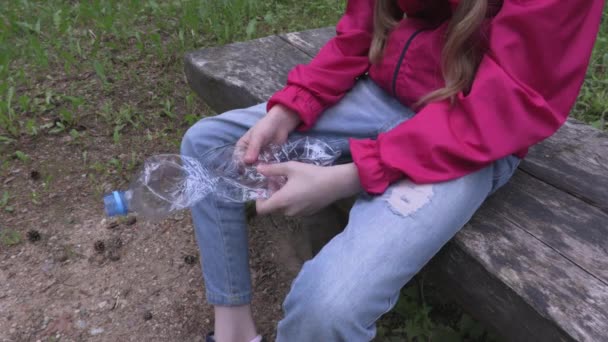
(356, 278)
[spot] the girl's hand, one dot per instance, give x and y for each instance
(274, 127)
(309, 188)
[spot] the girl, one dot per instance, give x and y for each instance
(434, 102)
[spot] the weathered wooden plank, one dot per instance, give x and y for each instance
(242, 74)
(565, 223)
(310, 41)
(519, 283)
(575, 159)
(487, 298)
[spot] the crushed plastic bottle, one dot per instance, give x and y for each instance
(170, 182)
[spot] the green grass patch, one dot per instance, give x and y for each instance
(592, 104)
(10, 237)
(100, 47)
(4, 202)
(422, 313)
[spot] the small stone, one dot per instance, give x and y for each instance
(33, 236)
(190, 259)
(99, 246)
(178, 217)
(115, 243)
(113, 255)
(112, 225)
(83, 313)
(131, 220)
(102, 304)
(35, 175)
(96, 331)
(61, 255)
(147, 315)
(80, 324)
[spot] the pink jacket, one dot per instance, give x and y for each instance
(523, 91)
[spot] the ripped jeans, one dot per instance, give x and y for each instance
(356, 278)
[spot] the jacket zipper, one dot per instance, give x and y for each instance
(402, 57)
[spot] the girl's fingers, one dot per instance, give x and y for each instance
(279, 169)
(272, 204)
(278, 200)
(276, 183)
(253, 150)
(243, 141)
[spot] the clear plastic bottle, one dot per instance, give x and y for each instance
(166, 183)
(170, 182)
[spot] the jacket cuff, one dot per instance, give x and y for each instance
(300, 101)
(374, 175)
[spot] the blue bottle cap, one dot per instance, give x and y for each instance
(115, 204)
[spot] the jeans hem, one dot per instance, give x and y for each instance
(228, 300)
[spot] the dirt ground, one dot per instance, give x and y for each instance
(75, 275)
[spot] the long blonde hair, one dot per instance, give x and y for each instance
(462, 51)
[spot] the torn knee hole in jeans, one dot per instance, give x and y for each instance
(405, 197)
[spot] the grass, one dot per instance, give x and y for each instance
(4, 202)
(111, 70)
(41, 40)
(9, 238)
(592, 104)
(422, 314)
(55, 40)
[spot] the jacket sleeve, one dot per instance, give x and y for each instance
(523, 91)
(313, 87)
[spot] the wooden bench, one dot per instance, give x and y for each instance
(532, 263)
